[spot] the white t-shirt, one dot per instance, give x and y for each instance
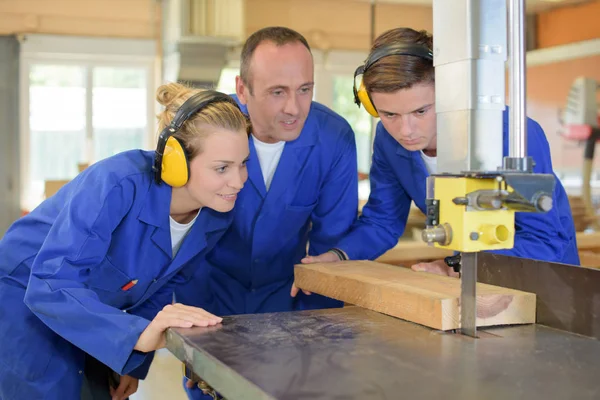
(430, 163)
(179, 232)
(268, 157)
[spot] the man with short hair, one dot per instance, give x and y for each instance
(302, 187)
(401, 89)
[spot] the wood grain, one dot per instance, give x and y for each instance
(423, 298)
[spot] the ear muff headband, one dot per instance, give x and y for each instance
(360, 95)
(171, 164)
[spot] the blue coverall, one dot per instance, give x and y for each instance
(66, 269)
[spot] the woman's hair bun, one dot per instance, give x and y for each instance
(167, 93)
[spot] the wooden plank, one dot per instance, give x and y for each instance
(53, 186)
(588, 241)
(589, 259)
(129, 10)
(426, 299)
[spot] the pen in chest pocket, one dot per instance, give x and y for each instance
(129, 285)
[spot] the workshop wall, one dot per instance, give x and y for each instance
(547, 90)
(335, 24)
(107, 18)
(568, 24)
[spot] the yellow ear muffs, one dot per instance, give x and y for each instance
(365, 100)
(171, 163)
(361, 96)
(175, 170)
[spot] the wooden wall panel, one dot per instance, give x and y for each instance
(335, 24)
(108, 18)
(389, 16)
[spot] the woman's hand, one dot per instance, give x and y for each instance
(172, 316)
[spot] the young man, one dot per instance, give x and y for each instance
(402, 90)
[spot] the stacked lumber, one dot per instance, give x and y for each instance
(588, 245)
(580, 217)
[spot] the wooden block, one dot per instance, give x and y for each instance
(588, 241)
(589, 259)
(419, 297)
(53, 186)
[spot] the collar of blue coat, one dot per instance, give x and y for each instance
(309, 135)
(157, 204)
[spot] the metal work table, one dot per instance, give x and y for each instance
(354, 353)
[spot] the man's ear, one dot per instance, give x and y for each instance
(241, 90)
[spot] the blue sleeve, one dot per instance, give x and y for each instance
(337, 206)
(384, 216)
(542, 236)
(149, 309)
(77, 243)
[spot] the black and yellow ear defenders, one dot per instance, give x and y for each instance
(171, 162)
(360, 95)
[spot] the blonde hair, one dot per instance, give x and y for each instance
(216, 115)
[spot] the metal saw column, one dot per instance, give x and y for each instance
(469, 48)
(469, 52)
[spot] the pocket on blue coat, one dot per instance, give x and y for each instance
(107, 277)
(301, 208)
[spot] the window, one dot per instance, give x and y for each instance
(227, 80)
(80, 108)
(360, 121)
(56, 123)
(334, 72)
(119, 110)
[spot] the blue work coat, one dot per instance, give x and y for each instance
(65, 270)
(313, 199)
(398, 176)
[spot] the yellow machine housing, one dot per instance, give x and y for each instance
(470, 230)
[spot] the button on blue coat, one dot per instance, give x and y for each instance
(313, 198)
(63, 268)
(398, 176)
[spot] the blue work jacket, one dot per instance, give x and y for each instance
(313, 198)
(65, 272)
(398, 176)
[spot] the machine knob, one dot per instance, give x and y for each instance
(441, 234)
(544, 203)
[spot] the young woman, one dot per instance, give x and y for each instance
(86, 279)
